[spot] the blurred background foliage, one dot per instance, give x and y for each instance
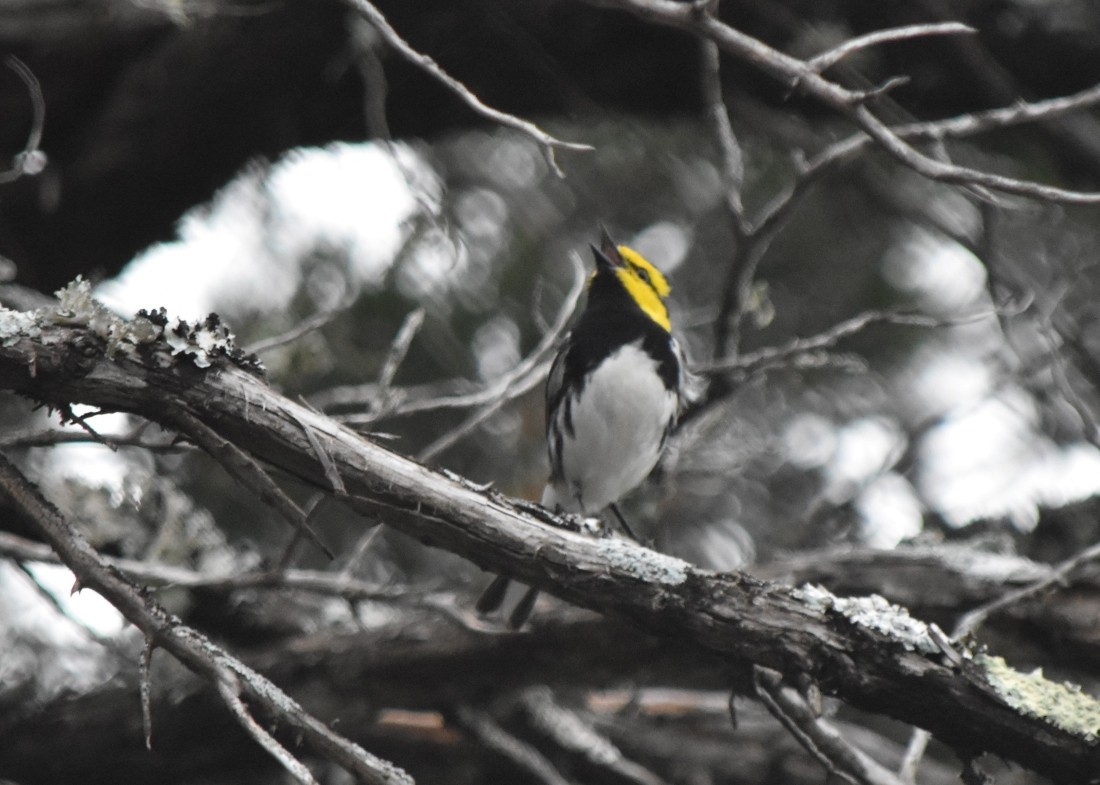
(978, 429)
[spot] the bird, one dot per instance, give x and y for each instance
(613, 396)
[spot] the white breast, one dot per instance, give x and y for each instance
(619, 423)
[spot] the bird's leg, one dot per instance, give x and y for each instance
(493, 596)
(622, 522)
(523, 608)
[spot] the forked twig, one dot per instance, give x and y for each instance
(774, 355)
(849, 103)
(548, 143)
(229, 688)
(1059, 574)
(526, 375)
(190, 647)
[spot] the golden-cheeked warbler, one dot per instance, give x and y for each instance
(613, 395)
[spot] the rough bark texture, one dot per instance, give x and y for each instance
(739, 618)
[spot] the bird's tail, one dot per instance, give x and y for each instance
(493, 597)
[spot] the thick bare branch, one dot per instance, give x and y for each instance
(809, 635)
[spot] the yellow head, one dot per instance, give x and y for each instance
(643, 282)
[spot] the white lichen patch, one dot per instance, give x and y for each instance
(18, 324)
(206, 341)
(76, 307)
(1061, 704)
(643, 563)
(203, 343)
(874, 613)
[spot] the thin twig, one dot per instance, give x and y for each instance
(827, 339)
(1059, 574)
(826, 60)
(730, 154)
(548, 143)
(526, 375)
(308, 325)
(399, 348)
(914, 752)
(776, 213)
(742, 266)
(229, 688)
(174, 576)
(524, 755)
(362, 547)
(57, 605)
(366, 41)
(849, 103)
(31, 160)
(50, 437)
(147, 691)
(954, 174)
(818, 737)
(488, 394)
(325, 459)
(248, 473)
(572, 732)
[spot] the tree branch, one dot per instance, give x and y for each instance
(31, 160)
(821, 739)
(188, 646)
(548, 143)
(857, 653)
(849, 103)
(827, 60)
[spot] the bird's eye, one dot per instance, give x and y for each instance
(642, 273)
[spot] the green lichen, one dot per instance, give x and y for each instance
(1061, 704)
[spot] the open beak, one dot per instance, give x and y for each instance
(607, 255)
